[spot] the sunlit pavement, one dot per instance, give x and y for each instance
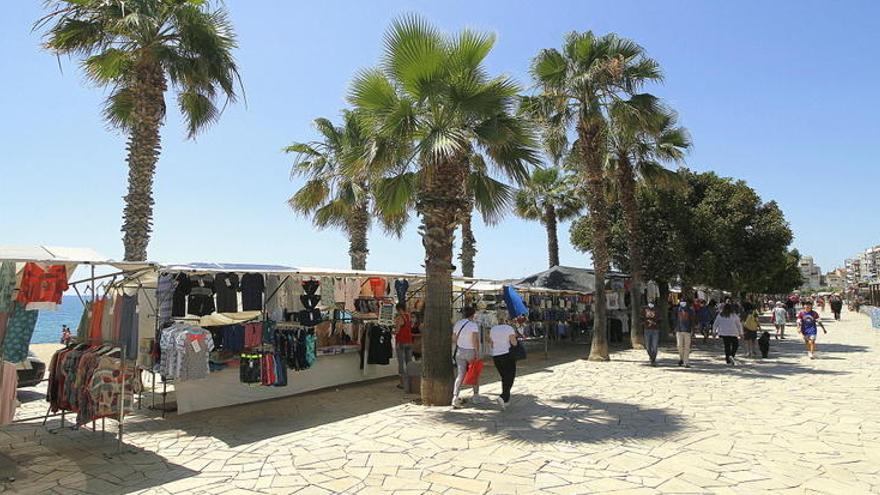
(786, 424)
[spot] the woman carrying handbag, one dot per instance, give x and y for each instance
(466, 338)
(506, 350)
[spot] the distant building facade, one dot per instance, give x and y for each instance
(810, 272)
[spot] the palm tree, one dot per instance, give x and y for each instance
(548, 197)
(433, 97)
(337, 192)
(491, 198)
(577, 85)
(643, 133)
(137, 48)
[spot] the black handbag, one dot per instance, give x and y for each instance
(518, 351)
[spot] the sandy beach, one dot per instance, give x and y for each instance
(45, 351)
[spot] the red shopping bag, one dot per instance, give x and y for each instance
(472, 376)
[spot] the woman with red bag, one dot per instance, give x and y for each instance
(466, 338)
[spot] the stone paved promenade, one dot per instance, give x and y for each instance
(786, 425)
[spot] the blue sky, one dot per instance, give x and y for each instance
(777, 93)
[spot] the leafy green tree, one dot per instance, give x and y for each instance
(432, 96)
(577, 86)
(548, 197)
(338, 187)
(642, 135)
(136, 48)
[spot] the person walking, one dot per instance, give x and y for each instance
(836, 305)
(403, 338)
(729, 327)
(779, 317)
(652, 333)
(503, 337)
(751, 327)
(466, 337)
(684, 325)
(807, 321)
(704, 317)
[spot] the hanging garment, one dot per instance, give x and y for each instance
(310, 287)
(380, 345)
(401, 287)
(7, 393)
(252, 287)
(328, 290)
(253, 335)
(128, 329)
(184, 352)
(274, 297)
(178, 299)
(4, 319)
(377, 286)
(514, 302)
(7, 286)
(107, 319)
(339, 291)
(165, 297)
(19, 329)
(249, 369)
(42, 289)
(226, 286)
(309, 301)
(115, 313)
(201, 295)
(85, 320)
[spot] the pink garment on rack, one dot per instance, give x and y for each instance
(253, 335)
(7, 393)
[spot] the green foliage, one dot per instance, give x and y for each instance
(662, 228)
(124, 43)
(552, 187)
(712, 231)
(432, 100)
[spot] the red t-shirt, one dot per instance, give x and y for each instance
(404, 333)
(38, 285)
(378, 286)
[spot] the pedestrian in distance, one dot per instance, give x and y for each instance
(807, 321)
(779, 317)
(684, 326)
(704, 318)
(652, 333)
(466, 339)
(65, 335)
(504, 338)
(403, 338)
(836, 305)
(751, 327)
(728, 326)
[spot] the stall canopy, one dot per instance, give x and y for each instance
(564, 278)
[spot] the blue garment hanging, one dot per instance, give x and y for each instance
(514, 302)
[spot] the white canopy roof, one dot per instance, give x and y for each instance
(52, 254)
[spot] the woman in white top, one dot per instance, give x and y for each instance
(466, 338)
(503, 337)
(729, 327)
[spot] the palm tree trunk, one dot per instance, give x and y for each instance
(468, 244)
(552, 237)
(144, 147)
(590, 136)
(627, 184)
(440, 204)
(358, 227)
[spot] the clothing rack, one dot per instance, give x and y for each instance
(120, 419)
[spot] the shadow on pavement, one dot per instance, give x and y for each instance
(567, 418)
(248, 423)
(79, 461)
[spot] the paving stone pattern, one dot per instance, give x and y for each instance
(783, 425)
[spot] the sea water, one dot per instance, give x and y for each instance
(49, 323)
